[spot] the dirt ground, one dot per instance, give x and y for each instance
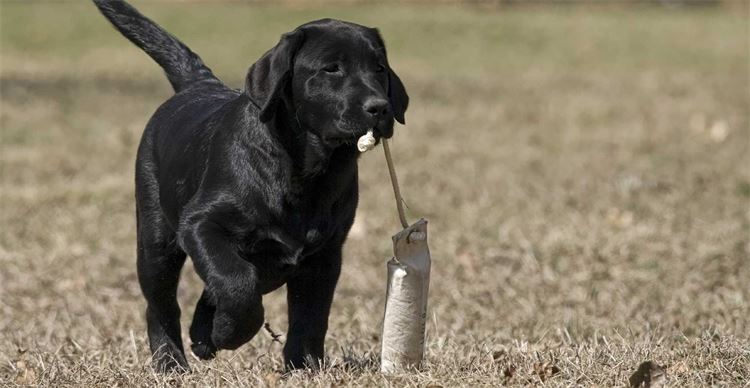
(585, 172)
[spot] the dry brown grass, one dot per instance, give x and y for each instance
(586, 179)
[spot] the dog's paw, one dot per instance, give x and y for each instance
(204, 350)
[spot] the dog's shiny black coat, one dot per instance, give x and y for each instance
(258, 187)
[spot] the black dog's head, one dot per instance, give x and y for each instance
(334, 77)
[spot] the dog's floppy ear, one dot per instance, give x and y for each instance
(397, 95)
(396, 91)
(269, 76)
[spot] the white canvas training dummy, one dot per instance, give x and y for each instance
(402, 346)
(406, 300)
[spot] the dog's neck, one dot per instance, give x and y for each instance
(311, 157)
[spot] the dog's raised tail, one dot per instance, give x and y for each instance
(182, 66)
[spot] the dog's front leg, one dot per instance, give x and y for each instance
(231, 283)
(309, 297)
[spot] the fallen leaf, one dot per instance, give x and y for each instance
(498, 354)
(648, 375)
(546, 370)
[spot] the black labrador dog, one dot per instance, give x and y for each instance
(259, 187)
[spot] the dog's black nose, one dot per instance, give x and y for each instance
(376, 107)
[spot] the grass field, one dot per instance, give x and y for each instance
(585, 173)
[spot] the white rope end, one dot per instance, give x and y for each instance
(366, 142)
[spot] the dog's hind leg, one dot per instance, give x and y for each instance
(159, 263)
(159, 272)
(200, 330)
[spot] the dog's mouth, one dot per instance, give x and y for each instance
(351, 138)
(379, 130)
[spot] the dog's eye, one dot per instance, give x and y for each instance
(380, 69)
(332, 68)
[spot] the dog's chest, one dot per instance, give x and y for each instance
(297, 229)
(303, 224)
(280, 251)
(313, 232)
(314, 216)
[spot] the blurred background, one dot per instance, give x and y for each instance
(584, 167)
